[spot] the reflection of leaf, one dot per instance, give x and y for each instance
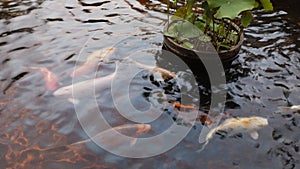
(246, 18)
(231, 8)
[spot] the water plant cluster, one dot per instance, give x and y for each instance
(196, 22)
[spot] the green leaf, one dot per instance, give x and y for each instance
(246, 18)
(188, 45)
(180, 12)
(200, 25)
(182, 30)
(231, 8)
(267, 4)
(188, 30)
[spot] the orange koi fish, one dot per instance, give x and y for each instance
(50, 78)
(182, 106)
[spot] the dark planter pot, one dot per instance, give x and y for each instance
(191, 56)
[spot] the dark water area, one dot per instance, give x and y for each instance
(38, 128)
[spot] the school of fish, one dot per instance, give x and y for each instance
(230, 126)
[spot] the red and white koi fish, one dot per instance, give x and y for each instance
(292, 108)
(234, 126)
(110, 138)
(91, 62)
(50, 78)
(166, 74)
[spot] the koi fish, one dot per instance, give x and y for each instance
(92, 61)
(50, 77)
(86, 88)
(107, 136)
(234, 126)
(182, 106)
(292, 108)
(166, 74)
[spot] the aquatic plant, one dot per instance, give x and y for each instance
(212, 17)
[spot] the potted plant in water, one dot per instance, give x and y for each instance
(209, 26)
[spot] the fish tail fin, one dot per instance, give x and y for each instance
(284, 108)
(205, 135)
(203, 147)
(133, 141)
(73, 74)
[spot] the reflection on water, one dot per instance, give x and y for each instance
(36, 127)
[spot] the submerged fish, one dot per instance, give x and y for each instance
(91, 62)
(182, 106)
(86, 88)
(234, 126)
(50, 78)
(166, 74)
(292, 108)
(108, 136)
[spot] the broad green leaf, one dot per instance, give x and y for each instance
(188, 30)
(231, 8)
(267, 4)
(246, 18)
(183, 30)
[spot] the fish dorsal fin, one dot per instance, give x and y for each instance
(254, 135)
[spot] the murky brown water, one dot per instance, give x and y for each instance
(36, 126)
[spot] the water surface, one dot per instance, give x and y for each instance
(36, 126)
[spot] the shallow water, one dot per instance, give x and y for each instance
(58, 35)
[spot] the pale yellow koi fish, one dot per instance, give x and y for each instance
(108, 137)
(292, 108)
(92, 61)
(166, 74)
(234, 126)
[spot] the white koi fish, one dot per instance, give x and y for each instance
(166, 74)
(107, 136)
(91, 62)
(292, 108)
(86, 88)
(234, 126)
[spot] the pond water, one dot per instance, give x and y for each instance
(38, 128)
